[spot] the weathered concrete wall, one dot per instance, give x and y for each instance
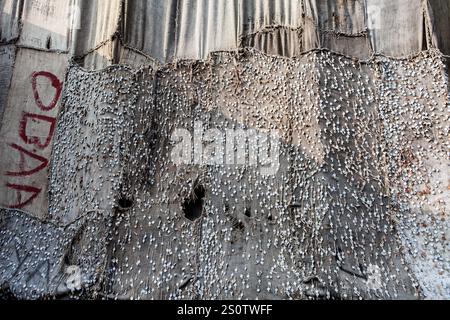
(27, 132)
(36, 35)
(7, 56)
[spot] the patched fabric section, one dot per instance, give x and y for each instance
(27, 130)
(205, 223)
(414, 108)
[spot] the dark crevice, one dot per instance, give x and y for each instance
(48, 44)
(424, 35)
(193, 206)
(124, 203)
(70, 256)
(185, 283)
(237, 224)
(6, 293)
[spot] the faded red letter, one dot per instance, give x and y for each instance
(37, 140)
(55, 84)
(28, 189)
(23, 153)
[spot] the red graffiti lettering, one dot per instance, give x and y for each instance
(40, 142)
(36, 140)
(55, 84)
(28, 189)
(23, 153)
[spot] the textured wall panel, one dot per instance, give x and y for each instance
(396, 27)
(26, 135)
(46, 24)
(98, 23)
(7, 56)
(10, 14)
(334, 198)
(342, 16)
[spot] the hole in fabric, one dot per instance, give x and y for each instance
(248, 212)
(48, 44)
(125, 203)
(425, 35)
(237, 224)
(193, 206)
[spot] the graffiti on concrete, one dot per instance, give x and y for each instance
(35, 130)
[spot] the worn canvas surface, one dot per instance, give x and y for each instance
(356, 91)
(29, 123)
